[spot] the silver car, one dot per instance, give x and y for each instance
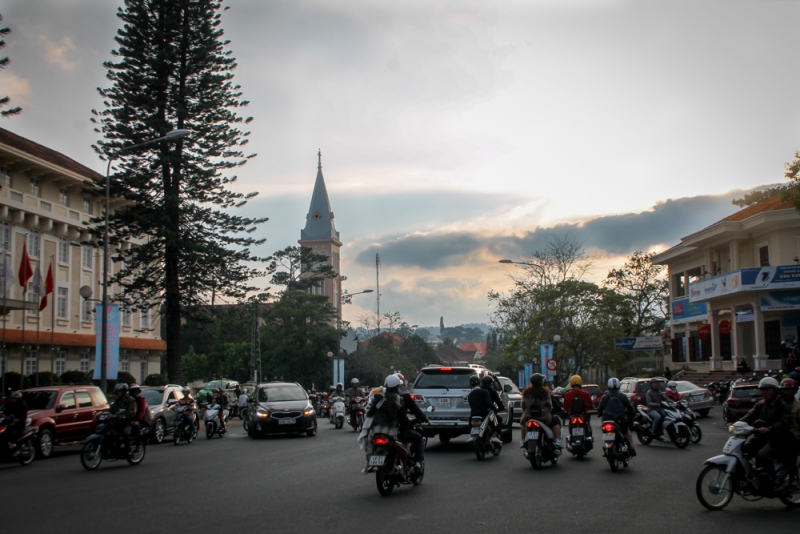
(700, 399)
(514, 395)
(163, 415)
(446, 389)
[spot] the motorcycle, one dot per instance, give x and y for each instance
(357, 413)
(672, 426)
(211, 419)
(481, 435)
(394, 462)
(337, 411)
(539, 446)
(690, 418)
(185, 426)
(615, 447)
(108, 443)
(732, 472)
(24, 443)
(578, 441)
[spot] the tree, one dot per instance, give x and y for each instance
(296, 337)
(236, 364)
(195, 366)
(76, 377)
(300, 268)
(646, 292)
(156, 379)
(172, 71)
(418, 352)
(4, 62)
(754, 197)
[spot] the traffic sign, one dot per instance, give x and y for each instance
(552, 365)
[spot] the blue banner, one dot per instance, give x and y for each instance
(780, 300)
(528, 373)
(546, 350)
(521, 379)
(684, 311)
(112, 342)
(341, 370)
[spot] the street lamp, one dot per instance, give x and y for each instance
(174, 135)
(339, 316)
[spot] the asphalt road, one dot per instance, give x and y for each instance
(286, 484)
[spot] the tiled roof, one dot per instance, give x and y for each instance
(450, 353)
(83, 340)
(47, 154)
(474, 347)
(770, 204)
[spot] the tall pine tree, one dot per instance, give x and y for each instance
(4, 62)
(172, 71)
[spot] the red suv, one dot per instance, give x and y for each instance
(744, 395)
(63, 414)
(636, 389)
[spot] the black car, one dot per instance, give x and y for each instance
(281, 408)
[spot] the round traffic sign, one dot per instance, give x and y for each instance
(552, 365)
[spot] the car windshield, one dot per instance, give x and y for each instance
(642, 387)
(213, 384)
(39, 400)
(593, 390)
(444, 378)
(507, 382)
(153, 396)
(687, 386)
(746, 393)
(281, 394)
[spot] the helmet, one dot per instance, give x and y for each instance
(789, 383)
(392, 381)
(354, 381)
(613, 383)
(654, 380)
(672, 384)
(486, 380)
(402, 378)
(474, 381)
(575, 380)
(768, 382)
(339, 385)
(186, 391)
(135, 387)
(122, 386)
(16, 395)
(216, 390)
(537, 379)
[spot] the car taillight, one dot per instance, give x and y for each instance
(381, 441)
(445, 368)
(533, 424)
(577, 420)
(608, 427)
(476, 422)
(419, 398)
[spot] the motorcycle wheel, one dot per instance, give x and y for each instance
(496, 449)
(718, 497)
(695, 434)
(136, 457)
(479, 451)
(27, 452)
(643, 437)
(681, 438)
(793, 500)
(209, 432)
(91, 456)
(384, 482)
(613, 461)
(176, 437)
(535, 458)
(339, 423)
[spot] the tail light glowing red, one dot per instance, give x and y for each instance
(577, 420)
(381, 441)
(608, 427)
(533, 424)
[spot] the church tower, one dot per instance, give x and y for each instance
(321, 236)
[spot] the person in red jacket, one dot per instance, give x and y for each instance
(577, 392)
(672, 391)
(141, 410)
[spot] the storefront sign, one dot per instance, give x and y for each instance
(685, 311)
(725, 327)
(745, 316)
(751, 279)
(638, 343)
(703, 331)
(780, 300)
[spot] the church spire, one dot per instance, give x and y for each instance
(319, 155)
(319, 221)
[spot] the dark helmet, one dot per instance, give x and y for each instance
(134, 388)
(537, 379)
(474, 381)
(16, 395)
(486, 380)
(122, 386)
(789, 383)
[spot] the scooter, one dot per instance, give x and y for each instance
(185, 427)
(732, 472)
(480, 434)
(337, 411)
(690, 418)
(539, 446)
(108, 443)
(578, 441)
(357, 413)
(211, 419)
(615, 447)
(393, 462)
(672, 426)
(24, 443)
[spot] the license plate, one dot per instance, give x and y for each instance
(286, 421)
(697, 398)
(532, 435)
(444, 402)
(609, 437)
(377, 460)
(577, 431)
(475, 430)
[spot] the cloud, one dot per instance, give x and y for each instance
(612, 235)
(16, 88)
(59, 54)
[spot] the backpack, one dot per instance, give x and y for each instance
(614, 409)
(578, 407)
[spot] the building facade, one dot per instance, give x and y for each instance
(321, 236)
(44, 204)
(735, 289)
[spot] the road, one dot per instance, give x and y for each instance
(285, 484)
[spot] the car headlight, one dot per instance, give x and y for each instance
(262, 413)
(308, 411)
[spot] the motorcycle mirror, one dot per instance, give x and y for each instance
(430, 409)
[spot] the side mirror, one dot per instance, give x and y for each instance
(172, 402)
(61, 408)
(507, 388)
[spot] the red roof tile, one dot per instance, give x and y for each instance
(770, 204)
(47, 154)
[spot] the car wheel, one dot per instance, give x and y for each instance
(507, 436)
(45, 443)
(159, 430)
(444, 438)
(313, 432)
(703, 413)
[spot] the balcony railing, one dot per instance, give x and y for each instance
(46, 206)
(16, 196)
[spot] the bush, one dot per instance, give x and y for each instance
(128, 378)
(46, 378)
(156, 380)
(76, 377)
(13, 381)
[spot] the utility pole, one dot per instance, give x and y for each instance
(255, 347)
(378, 287)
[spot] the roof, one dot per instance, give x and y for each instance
(394, 337)
(46, 154)
(450, 353)
(319, 220)
(474, 347)
(770, 204)
(84, 340)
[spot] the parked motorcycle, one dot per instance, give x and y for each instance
(539, 446)
(480, 433)
(732, 472)
(357, 413)
(578, 441)
(108, 443)
(690, 418)
(211, 419)
(616, 448)
(672, 426)
(337, 411)
(25, 443)
(185, 426)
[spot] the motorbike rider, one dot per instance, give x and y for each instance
(767, 443)
(384, 408)
(577, 392)
(672, 391)
(124, 408)
(221, 399)
(538, 395)
(654, 399)
(187, 400)
(481, 403)
(135, 391)
(791, 447)
(620, 411)
(338, 392)
(352, 392)
(406, 428)
(17, 410)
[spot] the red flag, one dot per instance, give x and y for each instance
(48, 287)
(25, 269)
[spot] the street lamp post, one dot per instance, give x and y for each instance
(339, 316)
(174, 135)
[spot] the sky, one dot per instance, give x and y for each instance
(457, 133)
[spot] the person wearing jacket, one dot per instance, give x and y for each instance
(488, 384)
(654, 399)
(672, 391)
(124, 408)
(791, 446)
(538, 395)
(406, 430)
(766, 444)
(221, 398)
(17, 410)
(385, 409)
(481, 403)
(577, 392)
(624, 420)
(138, 423)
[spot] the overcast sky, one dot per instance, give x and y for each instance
(455, 133)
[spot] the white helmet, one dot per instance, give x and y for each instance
(392, 381)
(672, 384)
(354, 381)
(613, 383)
(768, 382)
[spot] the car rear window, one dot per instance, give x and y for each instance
(746, 393)
(444, 378)
(642, 387)
(39, 400)
(687, 386)
(593, 390)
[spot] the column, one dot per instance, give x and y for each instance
(716, 355)
(735, 264)
(760, 357)
(709, 260)
(736, 339)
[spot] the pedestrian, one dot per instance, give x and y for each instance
(667, 373)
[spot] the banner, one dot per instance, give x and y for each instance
(638, 343)
(528, 373)
(745, 316)
(341, 370)
(780, 300)
(750, 279)
(546, 351)
(336, 379)
(685, 311)
(112, 341)
(521, 380)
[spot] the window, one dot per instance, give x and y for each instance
(143, 368)
(124, 363)
(126, 317)
(61, 362)
(31, 362)
(86, 311)
(68, 401)
(680, 288)
(36, 188)
(88, 257)
(85, 362)
(5, 177)
(63, 250)
(5, 236)
(34, 242)
(84, 400)
(763, 256)
(63, 196)
(144, 319)
(61, 302)
(87, 205)
(32, 296)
